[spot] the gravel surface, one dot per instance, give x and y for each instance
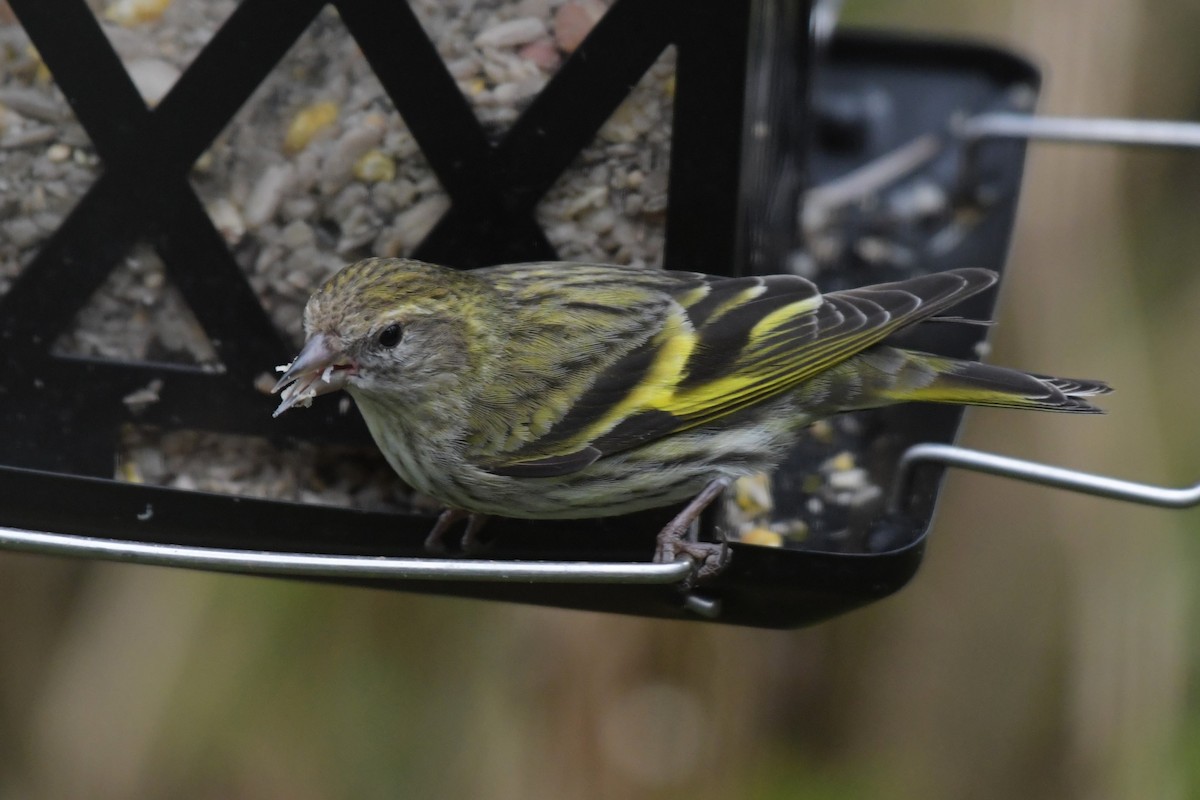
(318, 169)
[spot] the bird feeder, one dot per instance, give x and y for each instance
(851, 158)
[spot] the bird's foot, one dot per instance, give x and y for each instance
(470, 543)
(675, 540)
(708, 558)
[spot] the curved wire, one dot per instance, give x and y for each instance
(330, 566)
(1034, 472)
(1081, 130)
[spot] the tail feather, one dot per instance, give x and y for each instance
(1076, 386)
(943, 380)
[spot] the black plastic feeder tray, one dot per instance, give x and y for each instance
(866, 120)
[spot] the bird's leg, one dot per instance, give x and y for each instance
(709, 557)
(471, 544)
(435, 542)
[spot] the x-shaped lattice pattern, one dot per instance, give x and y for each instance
(62, 413)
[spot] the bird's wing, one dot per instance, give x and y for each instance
(721, 345)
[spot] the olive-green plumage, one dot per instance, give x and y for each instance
(566, 390)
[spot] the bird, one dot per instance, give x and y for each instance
(568, 390)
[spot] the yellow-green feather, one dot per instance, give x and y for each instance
(792, 340)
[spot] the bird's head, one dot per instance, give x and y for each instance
(387, 327)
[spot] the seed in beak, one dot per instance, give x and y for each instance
(318, 369)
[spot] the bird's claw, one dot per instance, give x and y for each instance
(470, 543)
(708, 559)
(675, 540)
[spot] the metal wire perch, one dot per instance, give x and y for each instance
(1034, 472)
(261, 562)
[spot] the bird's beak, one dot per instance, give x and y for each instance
(318, 369)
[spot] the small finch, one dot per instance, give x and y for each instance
(568, 390)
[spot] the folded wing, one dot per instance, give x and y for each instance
(725, 344)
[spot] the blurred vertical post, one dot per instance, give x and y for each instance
(775, 134)
(1127, 627)
(1041, 652)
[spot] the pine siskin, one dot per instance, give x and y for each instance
(567, 390)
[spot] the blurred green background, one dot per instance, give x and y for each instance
(1046, 649)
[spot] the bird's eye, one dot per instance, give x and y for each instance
(391, 335)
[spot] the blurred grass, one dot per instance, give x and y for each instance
(1045, 649)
